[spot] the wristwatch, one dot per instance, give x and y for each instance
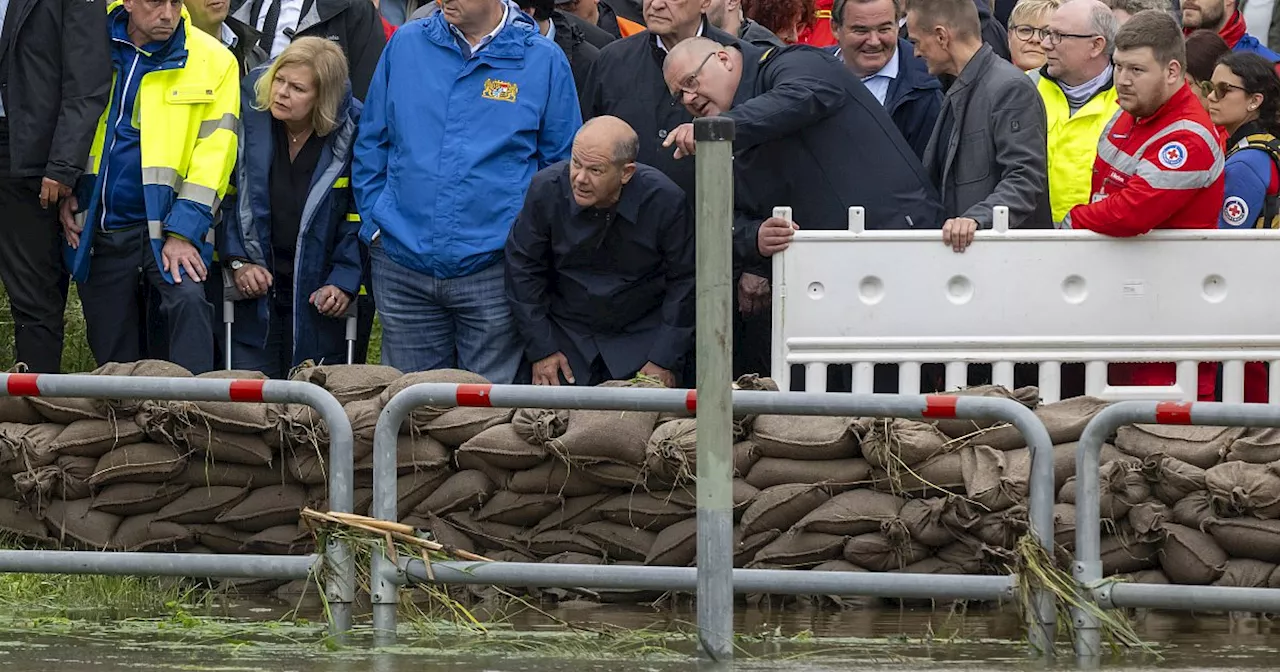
(237, 264)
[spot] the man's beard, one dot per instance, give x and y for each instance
(1211, 18)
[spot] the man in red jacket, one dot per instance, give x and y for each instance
(1159, 162)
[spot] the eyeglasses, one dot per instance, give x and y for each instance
(1219, 90)
(690, 83)
(1028, 33)
(1054, 38)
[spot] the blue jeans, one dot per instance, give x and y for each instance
(452, 323)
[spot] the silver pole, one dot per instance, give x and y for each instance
(714, 137)
(384, 507)
(1195, 598)
(200, 565)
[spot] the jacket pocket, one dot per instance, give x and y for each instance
(190, 95)
(973, 158)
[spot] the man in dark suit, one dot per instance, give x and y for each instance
(55, 76)
(988, 147)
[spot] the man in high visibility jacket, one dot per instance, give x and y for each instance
(145, 206)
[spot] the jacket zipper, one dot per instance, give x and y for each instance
(115, 128)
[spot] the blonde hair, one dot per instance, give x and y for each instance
(1026, 11)
(327, 63)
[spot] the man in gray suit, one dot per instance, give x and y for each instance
(988, 146)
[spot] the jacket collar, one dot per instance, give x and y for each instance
(1250, 128)
(913, 74)
(753, 58)
(975, 68)
(707, 30)
(628, 205)
(508, 44)
(172, 53)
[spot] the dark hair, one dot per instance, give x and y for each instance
(1204, 48)
(1157, 31)
(961, 16)
(540, 9)
(777, 14)
(1258, 76)
(837, 9)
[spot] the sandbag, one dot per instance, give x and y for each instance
(618, 436)
(200, 472)
(537, 426)
(1191, 557)
(554, 477)
(619, 542)
(1193, 510)
(67, 478)
(1244, 489)
(743, 495)
(221, 538)
(644, 511)
(993, 479)
(1148, 576)
(799, 437)
(1247, 537)
(66, 410)
(675, 546)
(350, 382)
(413, 453)
(1200, 446)
(800, 550)
(415, 487)
(501, 447)
(1149, 521)
(780, 507)
(472, 462)
(742, 424)
(956, 429)
(229, 447)
(936, 477)
(1065, 421)
(1064, 526)
(1257, 445)
(76, 522)
(1121, 484)
(201, 505)
(144, 533)
(935, 522)
(623, 476)
(573, 512)
(555, 542)
(463, 490)
(838, 475)
(24, 447)
(1002, 529)
(266, 507)
(521, 510)
(893, 443)
(745, 547)
(225, 416)
(158, 422)
(745, 456)
(18, 520)
(970, 556)
(138, 463)
(296, 427)
(933, 565)
(282, 540)
(1122, 553)
(852, 513)
(573, 558)
(1247, 573)
(1064, 458)
(885, 551)
(672, 451)
(448, 535)
(1172, 479)
(135, 499)
(686, 497)
(363, 416)
(156, 368)
(95, 438)
(488, 534)
(19, 409)
(460, 425)
(421, 415)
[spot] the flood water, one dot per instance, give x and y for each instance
(799, 639)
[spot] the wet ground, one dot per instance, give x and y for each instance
(800, 639)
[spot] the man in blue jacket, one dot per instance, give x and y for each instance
(1214, 15)
(867, 38)
(442, 160)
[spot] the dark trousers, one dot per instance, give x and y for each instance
(276, 359)
(31, 267)
(112, 313)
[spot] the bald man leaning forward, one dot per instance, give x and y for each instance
(600, 265)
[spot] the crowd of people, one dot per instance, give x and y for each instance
(509, 184)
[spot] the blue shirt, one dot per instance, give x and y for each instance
(878, 83)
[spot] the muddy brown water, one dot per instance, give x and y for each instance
(251, 639)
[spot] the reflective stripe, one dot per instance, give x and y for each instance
(1161, 178)
(364, 291)
(353, 217)
(1154, 175)
(165, 177)
(155, 229)
(209, 236)
(341, 182)
(209, 126)
(199, 194)
(1066, 222)
(89, 165)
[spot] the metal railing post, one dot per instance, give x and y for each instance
(384, 591)
(714, 136)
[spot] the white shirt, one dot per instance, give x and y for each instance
(290, 14)
(663, 46)
(878, 83)
(228, 36)
(466, 45)
(1257, 18)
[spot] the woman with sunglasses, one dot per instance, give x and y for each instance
(1244, 100)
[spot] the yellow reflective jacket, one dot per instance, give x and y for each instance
(1073, 142)
(186, 113)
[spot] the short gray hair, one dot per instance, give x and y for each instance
(627, 149)
(1103, 22)
(837, 9)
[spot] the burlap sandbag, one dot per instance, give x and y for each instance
(573, 512)
(742, 424)
(1064, 526)
(424, 414)
(521, 510)
(447, 534)
(837, 475)
(1193, 510)
(229, 447)
(1122, 553)
(644, 510)
(138, 463)
(800, 550)
(66, 410)
(852, 513)
(572, 558)
(780, 507)
(1200, 446)
(1244, 489)
(1148, 576)
(1259, 445)
(413, 453)
(1248, 573)
(266, 507)
(348, 383)
(743, 495)
(1002, 529)
(675, 546)
(893, 443)
(1172, 479)
(994, 479)
(200, 471)
(1064, 458)
(1065, 420)
(620, 542)
(1247, 537)
(884, 551)
(745, 547)
(221, 538)
(501, 447)
(618, 436)
(201, 505)
(672, 451)
(938, 521)
(745, 456)
(282, 540)
(623, 476)
(1191, 557)
(76, 523)
(135, 499)
(473, 462)
(144, 533)
(94, 438)
(19, 409)
(1027, 396)
(1120, 485)
(936, 477)
(363, 416)
(225, 416)
(464, 490)
(554, 477)
(415, 487)
(9, 489)
(537, 426)
(460, 425)
(19, 521)
(554, 542)
(68, 478)
(24, 447)
(800, 437)
(933, 565)
(155, 368)
(1149, 521)
(969, 555)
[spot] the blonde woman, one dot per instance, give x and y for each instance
(1028, 24)
(290, 239)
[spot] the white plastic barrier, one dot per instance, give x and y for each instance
(1049, 297)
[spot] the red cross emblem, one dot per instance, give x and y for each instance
(1234, 211)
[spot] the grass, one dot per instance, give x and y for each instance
(73, 596)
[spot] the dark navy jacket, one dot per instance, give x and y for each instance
(914, 98)
(328, 248)
(811, 136)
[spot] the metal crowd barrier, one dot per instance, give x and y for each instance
(340, 569)
(1088, 566)
(388, 576)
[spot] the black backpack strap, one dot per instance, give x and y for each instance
(1271, 205)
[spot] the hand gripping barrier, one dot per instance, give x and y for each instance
(1088, 567)
(387, 576)
(340, 577)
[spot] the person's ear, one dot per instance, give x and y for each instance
(628, 171)
(1174, 72)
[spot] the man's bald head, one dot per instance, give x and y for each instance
(1087, 53)
(703, 75)
(610, 132)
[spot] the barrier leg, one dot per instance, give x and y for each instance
(228, 318)
(383, 591)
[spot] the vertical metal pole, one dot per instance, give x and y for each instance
(714, 136)
(385, 496)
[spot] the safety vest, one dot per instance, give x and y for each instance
(1270, 218)
(627, 27)
(1072, 143)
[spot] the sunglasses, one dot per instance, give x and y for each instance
(1219, 90)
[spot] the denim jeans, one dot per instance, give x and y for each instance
(446, 323)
